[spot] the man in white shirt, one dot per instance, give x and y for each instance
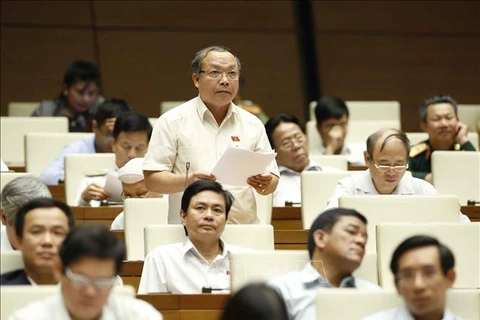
(14, 195)
(91, 256)
(424, 271)
(189, 139)
(200, 264)
(286, 136)
(336, 244)
(387, 160)
(332, 114)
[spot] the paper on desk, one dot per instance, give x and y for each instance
(237, 165)
(113, 186)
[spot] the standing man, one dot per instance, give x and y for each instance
(287, 138)
(188, 140)
(424, 271)
(439, 119)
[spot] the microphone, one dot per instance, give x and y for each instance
(210, 289)
(291, 203)
(472, 202)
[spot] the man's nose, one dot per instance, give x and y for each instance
(47, 239)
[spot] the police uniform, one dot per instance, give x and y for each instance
(420, 157)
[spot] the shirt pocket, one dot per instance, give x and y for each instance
(191, 154)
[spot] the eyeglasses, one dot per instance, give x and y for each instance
(137, 196)
(232, 75)
(408, 276)
(288, 143)
(83, 281)
(387, 168)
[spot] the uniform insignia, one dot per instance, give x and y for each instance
(418, 148)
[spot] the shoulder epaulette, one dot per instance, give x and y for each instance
(418, 148)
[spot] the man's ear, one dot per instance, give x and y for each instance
(320, 238)
(451, 276)
(195, 78)
(423, 126)
(95, 124)
(4, 217)
(366, 156)
(183, 215)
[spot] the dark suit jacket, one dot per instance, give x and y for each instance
(16, 277)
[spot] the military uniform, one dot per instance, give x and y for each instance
(420, 157)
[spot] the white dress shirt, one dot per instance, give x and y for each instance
(402, 313)
(299, 290)
(117, 307)
(180, 268)
(353, 151)
(4, 242)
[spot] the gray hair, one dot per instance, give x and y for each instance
(436, 100)
(373, 139)
(200, 55)
(18, 192)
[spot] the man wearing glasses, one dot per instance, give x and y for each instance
(425, 296)
(387, 161)
(91, 256)
(188, 140)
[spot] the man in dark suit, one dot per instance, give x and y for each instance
(41, 226)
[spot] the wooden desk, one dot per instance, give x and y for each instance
(187, 306)
(103, 215)
(58, 192)
(473, 212)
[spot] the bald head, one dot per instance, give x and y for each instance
(382, 136)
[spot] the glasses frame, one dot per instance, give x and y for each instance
(398, 169)
(83, 281)
(228, 74)
(288, 143)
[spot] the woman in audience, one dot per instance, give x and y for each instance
(78, 99)
(255, 302)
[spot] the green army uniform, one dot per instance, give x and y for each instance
(420, 157)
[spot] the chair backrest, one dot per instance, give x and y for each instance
(14, 130)
(21, 109)
(264, 207)
(10, 260)
(14, 298)
(368, 110)
(335, 161)
(361, 303)
(138, 214)
(152, 121)
(41, 148)
(457, 173)
(317, 188)
(401, 208)
(470, 115)
(77, 165)
(255, 236)
(416, 137)
(465, 248)
(6, 177)
(167, 105)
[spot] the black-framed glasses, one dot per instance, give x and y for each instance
(384, 168)
(214, 74)
(83, 281)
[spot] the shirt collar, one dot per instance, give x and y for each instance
(365, 184)
(189, 246)
(312, 166)
(202, 110)
(310, 276)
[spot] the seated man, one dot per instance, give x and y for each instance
(14, 195)
(91, 256)
(202, 260)
(332, 115)
(101, 141)
(439, 119)
(41, 226)
(336, 244)
(425, 298)
(133, 185)
(131, 135)
(287, 138)
(387, 160)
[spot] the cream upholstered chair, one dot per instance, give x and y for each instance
(41, 148)
(167, 105)
(6, 177)
(14, 130)
(457, 173)
(138, 214)
(470, 115)
(264, 265)
(361, 303)
(17, 297)
(264, 207)
(417, 137)
(21, 109)
(10, 260)
(317, 188)
(368, 110)
(335, 161)
(77, 165)
(152, 121)
(255, 236)
(465, 248)
(401, 208)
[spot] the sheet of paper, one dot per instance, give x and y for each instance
(236, 165)
(113, 186)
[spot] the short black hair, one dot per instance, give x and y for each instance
(92, 240)
(131, 121)
(327, 220)
(436, 100)
(329, 107)
(447, 260)
(82, 71)
(275, 121)
(37, 203)
(201, 54)
(110, 108)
